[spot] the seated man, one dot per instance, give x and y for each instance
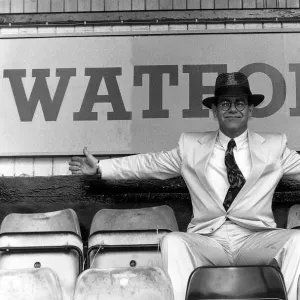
(231, 175)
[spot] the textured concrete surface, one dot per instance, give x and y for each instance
(87, 194)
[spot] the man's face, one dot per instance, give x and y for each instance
(232, 113)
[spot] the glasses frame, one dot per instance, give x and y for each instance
(231, 103)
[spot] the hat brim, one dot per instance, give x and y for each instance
(255, 99)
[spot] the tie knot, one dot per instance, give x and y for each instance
(231, 145)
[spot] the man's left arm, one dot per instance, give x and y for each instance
(290, 160)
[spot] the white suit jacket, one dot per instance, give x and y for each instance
(252, 207)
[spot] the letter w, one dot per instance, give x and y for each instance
(40, 92)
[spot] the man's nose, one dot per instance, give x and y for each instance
(232, 107)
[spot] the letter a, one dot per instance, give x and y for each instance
(114, 96)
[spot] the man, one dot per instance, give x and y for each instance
(231, 175)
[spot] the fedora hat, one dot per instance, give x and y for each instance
(233, 84)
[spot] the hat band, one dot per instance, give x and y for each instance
(232, 90)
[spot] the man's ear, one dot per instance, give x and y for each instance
(251, 110)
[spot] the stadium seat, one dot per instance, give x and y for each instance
(146, 283)
(129, 237)
(293, 218)
(29, 284)
(243, 282)
(40, 240)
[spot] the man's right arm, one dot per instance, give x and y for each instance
(160, 165)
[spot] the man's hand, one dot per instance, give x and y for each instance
(86, 165)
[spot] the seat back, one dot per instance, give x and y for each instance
(293, 218)
(62, 220)
(129, 237)
(123, 283)
(50, 239)
(243, 282)
(29, 284)
(157, 217)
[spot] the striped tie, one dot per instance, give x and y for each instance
(234, 175)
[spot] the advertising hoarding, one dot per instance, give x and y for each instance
(132, 94)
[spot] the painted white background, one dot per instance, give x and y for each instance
(66, 136)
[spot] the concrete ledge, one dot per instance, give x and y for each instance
(87, 194)
(164, 16)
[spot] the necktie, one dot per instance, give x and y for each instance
(234, 175)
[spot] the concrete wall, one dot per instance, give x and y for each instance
(87, 194)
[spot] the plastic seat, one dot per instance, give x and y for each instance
(38, 240)
(243, 282)
(129, 237)
(293, 218)
(29, 284)
(147, 283)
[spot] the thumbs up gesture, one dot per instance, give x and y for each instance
(86, 165)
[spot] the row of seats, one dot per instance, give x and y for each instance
(123, 256)
(205, 283)
(147, 283)
(119, 238)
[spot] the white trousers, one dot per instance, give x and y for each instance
(232, 244)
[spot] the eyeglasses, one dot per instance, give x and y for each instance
(239, 105)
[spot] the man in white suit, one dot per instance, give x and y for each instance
(231, 175)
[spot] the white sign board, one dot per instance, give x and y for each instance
(132, 94)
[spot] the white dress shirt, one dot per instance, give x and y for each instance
(216, 169)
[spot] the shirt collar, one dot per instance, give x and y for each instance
(224, 139)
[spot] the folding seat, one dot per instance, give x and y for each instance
(243, 282)
(293, 218)
(29, 284)
(40, 240)
(145, 283)
(129, 237)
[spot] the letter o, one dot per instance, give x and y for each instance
(278, 85)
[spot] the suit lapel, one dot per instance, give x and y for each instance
(202, 154)
(259, 156)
